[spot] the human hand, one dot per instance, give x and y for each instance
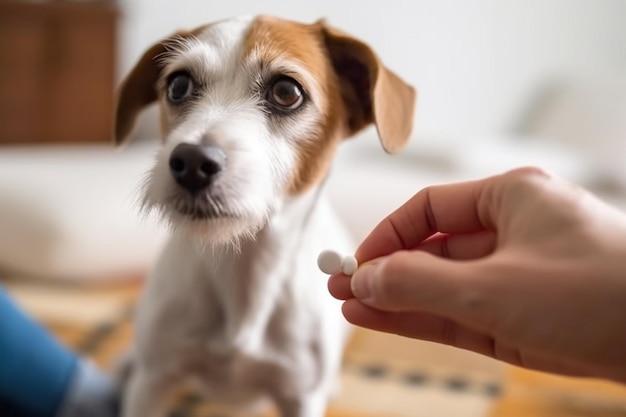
(522, 267)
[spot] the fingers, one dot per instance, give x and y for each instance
(418, 325)
(438, 329)
(339, 287)
(459, 247)
(418, 281)
(446, 208)
(465, 207)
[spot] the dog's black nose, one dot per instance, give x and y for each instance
(195, 166)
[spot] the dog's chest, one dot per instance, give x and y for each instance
(239, 327)
(237, 376)
(235, 360)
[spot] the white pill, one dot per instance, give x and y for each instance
(329, 262)
(349, 265)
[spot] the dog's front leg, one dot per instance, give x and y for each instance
(146, 395)
(310, 405)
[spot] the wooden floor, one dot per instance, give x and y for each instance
(383, 375)
(540, 395)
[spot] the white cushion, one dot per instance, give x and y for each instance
(70, 212)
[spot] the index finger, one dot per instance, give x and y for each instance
(450, 208)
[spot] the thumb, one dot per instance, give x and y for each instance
(418, 281)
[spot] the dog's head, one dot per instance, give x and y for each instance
(252, 111)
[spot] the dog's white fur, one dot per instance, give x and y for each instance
(236, 301)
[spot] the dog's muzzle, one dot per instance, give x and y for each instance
(195, 167)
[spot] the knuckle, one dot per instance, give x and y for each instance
(526, 178)
(517, 185)
(528, 173)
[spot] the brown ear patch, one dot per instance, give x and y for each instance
(136, 92)
(371, 92)
(394, 108)
(138, 89)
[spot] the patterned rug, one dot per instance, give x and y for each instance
(382, 375)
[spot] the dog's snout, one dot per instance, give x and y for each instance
(195, 166)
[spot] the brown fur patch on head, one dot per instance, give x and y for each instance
(355, 90)
(275, 39)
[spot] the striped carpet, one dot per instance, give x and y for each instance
(382, 375)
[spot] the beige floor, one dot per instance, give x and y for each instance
(383, 375)
(533, 394)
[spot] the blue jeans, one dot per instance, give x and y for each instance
(41, 378)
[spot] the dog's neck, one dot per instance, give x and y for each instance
(250, 279)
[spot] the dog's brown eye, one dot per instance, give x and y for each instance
(286, 93)
(179, 87)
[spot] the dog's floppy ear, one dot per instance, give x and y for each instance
(372, 93)
(139, 87)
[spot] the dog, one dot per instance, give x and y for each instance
(252, 112)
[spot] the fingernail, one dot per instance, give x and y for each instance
(361, 282)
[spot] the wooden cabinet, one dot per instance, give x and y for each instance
(57, 71)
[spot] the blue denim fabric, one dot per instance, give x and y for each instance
(35, 370)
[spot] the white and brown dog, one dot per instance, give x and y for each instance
(253, 110)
